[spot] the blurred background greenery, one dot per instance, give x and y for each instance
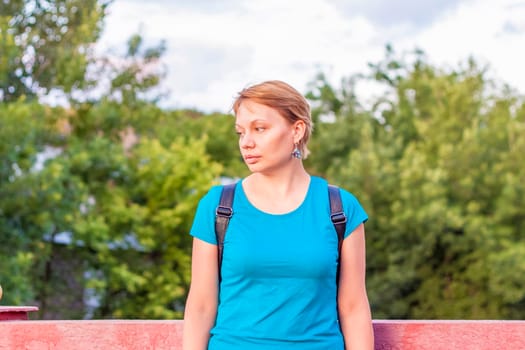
(97, 194)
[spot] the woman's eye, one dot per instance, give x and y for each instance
(260, 129)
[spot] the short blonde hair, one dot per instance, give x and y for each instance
(284, 99)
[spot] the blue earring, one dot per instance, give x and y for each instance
(297, 152)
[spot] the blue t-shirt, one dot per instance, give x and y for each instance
(278, 287)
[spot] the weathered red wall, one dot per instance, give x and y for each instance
(447, 335)
(16, 313)
(160, 335)
(93, 335)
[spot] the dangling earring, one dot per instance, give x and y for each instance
(297, 152)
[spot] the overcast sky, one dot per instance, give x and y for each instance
(216, 47)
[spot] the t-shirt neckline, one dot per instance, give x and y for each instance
(291, 212)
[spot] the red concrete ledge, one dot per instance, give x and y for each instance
(447, 335)
(83, 335)
(160, 335)
(14, 313)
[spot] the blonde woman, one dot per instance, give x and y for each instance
(278, 285)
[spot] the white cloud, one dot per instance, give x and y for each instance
(477, 29)
(213, 54)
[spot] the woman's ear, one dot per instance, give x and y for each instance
(299, 128)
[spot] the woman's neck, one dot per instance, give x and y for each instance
(282, 183)
(277, 193)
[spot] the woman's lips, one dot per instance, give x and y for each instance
(250, 159)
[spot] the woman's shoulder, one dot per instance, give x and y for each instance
(211, 197)
(322, 184)
(214, 192)
(347, 194)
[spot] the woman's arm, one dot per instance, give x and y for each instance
(354, 310)
(201, 305)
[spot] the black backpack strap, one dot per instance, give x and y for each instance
(223, 214)
(338, 217)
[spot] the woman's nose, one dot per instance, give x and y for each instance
(246, 141)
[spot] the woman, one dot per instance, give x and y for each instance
(278, 287)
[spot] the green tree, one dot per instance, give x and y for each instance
(218, 130)
(135, 225)
(436, 168)
(46, 45)
(338, 119)
(25, 129)
(102, 214)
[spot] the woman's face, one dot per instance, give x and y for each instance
(266, 139)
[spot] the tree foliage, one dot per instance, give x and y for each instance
(94, 204)
(436, 165)
(46, 44)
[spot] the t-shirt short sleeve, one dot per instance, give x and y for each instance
(203, 226)
(355, 214)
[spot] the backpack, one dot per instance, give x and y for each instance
(224, 212)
